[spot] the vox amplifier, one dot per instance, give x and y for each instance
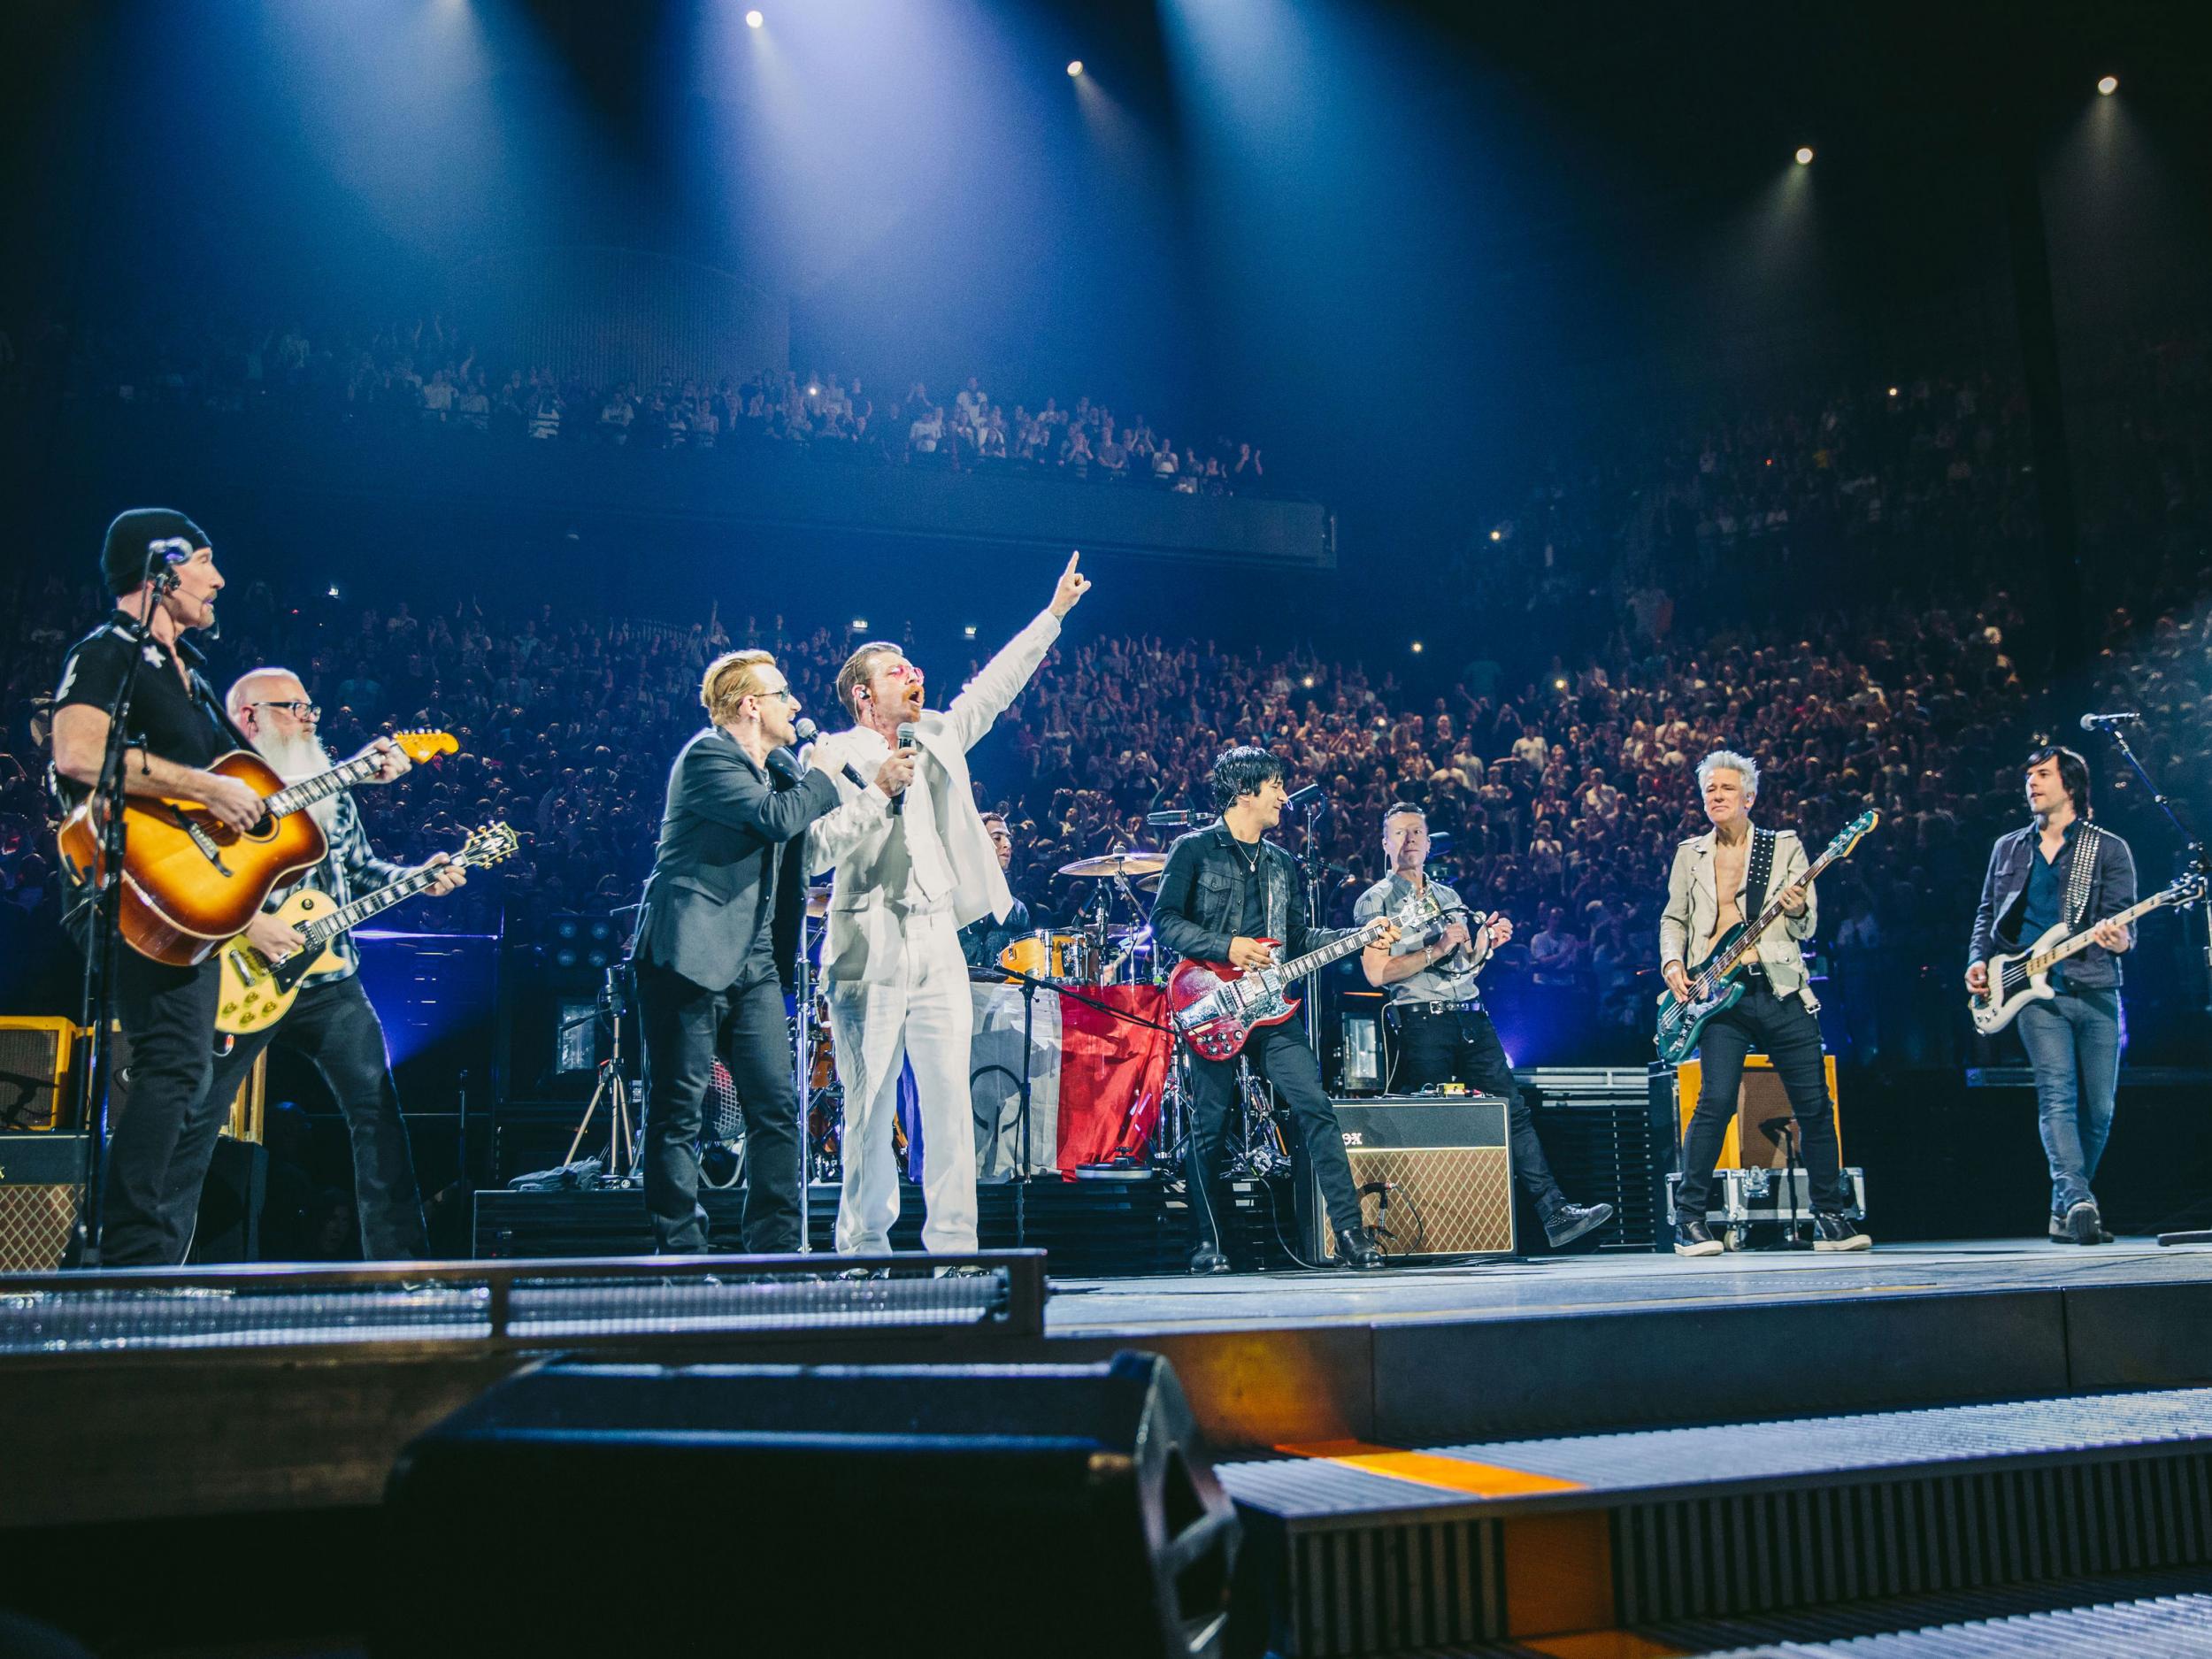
(1434, 1176)
(35, 1055)
(40, 1176)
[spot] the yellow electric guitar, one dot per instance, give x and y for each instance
(257, 993)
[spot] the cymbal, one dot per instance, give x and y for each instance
(1137, 861)
(1150, 884)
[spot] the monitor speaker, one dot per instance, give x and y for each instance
(969, 1510)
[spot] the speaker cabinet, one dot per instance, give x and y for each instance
(35, 1055)
(40, 1176)
(1061, 1509)
(1759, 1101)
(1434, 1176)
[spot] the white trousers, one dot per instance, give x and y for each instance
(924, 1015)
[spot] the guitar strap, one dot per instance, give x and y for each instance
(1758, 871)
(2087, 846)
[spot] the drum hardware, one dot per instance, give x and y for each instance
(613, 1086)
(1258, 1149)
(1134, 861)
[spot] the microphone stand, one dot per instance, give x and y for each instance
(2202, 863)
(1312, 869)
(2199, 860)
(96, 997)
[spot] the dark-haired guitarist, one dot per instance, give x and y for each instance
(2063, 868)
(1226, 892)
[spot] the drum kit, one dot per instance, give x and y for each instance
(1110, 945)
(1106, 946)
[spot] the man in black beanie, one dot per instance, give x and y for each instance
(160, 568)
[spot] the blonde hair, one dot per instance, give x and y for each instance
(1746, 769)
(730, 679)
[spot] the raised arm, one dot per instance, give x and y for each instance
(971, 713)
(718, 785)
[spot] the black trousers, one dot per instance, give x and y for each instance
(1279, 1053)
(686, 1026)
(168, 1019)
(333, 1027)
(1444, 1045)
(1784, 1029)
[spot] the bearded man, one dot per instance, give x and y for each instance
(332, 1026)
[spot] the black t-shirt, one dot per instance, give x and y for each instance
(164, 716)
(1253, 924)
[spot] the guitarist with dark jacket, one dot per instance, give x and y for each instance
(1720, 879)
(2063, 868)
(1226, 892)
(717, 937)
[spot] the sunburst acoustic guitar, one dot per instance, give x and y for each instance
(189, 881)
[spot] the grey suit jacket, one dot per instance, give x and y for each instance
(1694, 903)
(728, 864)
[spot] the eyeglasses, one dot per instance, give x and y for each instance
(784, 692)
(903, 671)
(298, 708)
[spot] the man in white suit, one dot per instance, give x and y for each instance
(907, 882)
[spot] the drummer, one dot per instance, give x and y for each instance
(981, 941)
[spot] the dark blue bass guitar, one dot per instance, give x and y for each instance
(1716, 984)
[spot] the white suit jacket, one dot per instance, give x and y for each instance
(864, 943)
(1694, 901)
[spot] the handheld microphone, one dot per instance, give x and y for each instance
(2105, 722)
(908, 733)
(806, 731)
(784, 760)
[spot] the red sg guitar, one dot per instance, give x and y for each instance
(1217, 1008)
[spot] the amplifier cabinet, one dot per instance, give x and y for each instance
(1759, 1100)
(1434, 1175)
(36, 1056)
(40, 1176)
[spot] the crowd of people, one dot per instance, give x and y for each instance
(426, 376)
(1845, 592)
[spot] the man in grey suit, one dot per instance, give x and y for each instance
(717, 936)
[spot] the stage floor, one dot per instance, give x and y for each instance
(1576, 1286)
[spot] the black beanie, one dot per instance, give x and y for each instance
(123, 558)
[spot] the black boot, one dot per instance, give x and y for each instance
(1570, 1222)
(1695, 1238)
(1357, 1248)
(1208, 1259)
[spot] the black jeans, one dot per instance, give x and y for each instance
(1279, 1053)
(334, 1028)
(686, 1026)
(1441, 1045)
(1786, 1031)
(168, 1019)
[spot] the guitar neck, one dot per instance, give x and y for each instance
(348, 916)
(1771, 914)
(1313, 961)
(294, 796)
(2082, 940)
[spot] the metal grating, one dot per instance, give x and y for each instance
(2166, 1627)
(570, 1302)
(1395, 1588)
(1767, 1550)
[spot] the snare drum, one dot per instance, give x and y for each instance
(1065, 958)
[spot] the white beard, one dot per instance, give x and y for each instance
(296, 758)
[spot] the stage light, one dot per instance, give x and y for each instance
(813, 391)
(968, 633)
(1416, 648)
(1075, 67)
(1893, 391)
(1497, 536)
(1559, 684)
(860, 625)
(1309, 682)
(753, 19)
(1804, 154)
(2107, 86)
(334, 590)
